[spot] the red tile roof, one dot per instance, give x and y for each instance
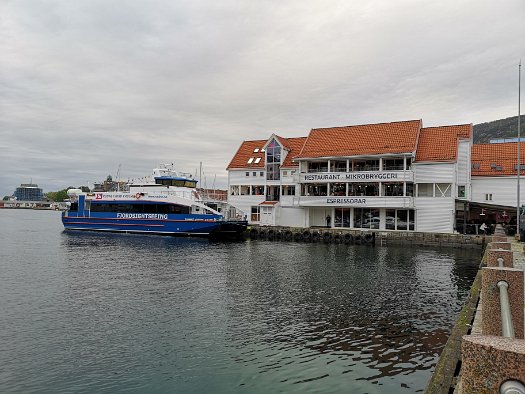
(441, 143)
(496, 159)
(246, 151)
(371, 139)
(432, 143)
(294, 146)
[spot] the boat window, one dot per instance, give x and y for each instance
(139, 208)
(73, 207)
(176, 182)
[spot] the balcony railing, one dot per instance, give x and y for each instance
(357, 176)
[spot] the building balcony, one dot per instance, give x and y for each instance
(356, 176)
(354, 201)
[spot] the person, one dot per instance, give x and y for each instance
(328, 219)
(483, 228)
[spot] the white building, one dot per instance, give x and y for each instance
(389, 176)
(495, 181)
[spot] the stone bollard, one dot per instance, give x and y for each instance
(494, 254)
(500, 245)
(487, 362)
(491, 320)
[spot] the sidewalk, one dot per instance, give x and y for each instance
(519, 262)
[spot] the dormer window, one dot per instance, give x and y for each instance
(257, 160)
(250, 160)
(256, 150)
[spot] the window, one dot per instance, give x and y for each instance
(342, 217)
(405, 219)
(409, 190)
(261, 173)
(461, 191)
(366, 217)
(313, 189)
(245, 190)
(392, 189)
(255, 214)
(425, 190)
(256, 150)
(366, 189)
(338, 166)
(338, 189)
(443, 190)
(476, 166)
(140, 208)
(288, 190)
(257, 160)
(234, 190)
(247, 173)
(366, 165)
(390, 219)
(285, 173)
(254, 173)
(318, 166)
(394, 164)
(257, 190)
(488, 197)
(399, 219)
(273, 160)
(250, 160)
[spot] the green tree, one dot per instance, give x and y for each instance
(58, 196)
(6, 198)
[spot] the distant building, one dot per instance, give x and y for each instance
(28, 192)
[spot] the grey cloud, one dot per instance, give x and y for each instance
(88, 85)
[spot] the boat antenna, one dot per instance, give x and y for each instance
(118, 177)
(200, 174)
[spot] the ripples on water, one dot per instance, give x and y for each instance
(91, 312)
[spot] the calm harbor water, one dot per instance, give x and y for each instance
(90, 312)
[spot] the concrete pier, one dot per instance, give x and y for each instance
(487, 359)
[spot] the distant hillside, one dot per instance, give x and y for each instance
(503, 128)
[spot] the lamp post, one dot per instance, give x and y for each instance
(519, 151)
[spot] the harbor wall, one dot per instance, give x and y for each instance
(377, 237)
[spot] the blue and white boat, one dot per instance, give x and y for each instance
(167, 203)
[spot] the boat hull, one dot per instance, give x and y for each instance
(187, 226)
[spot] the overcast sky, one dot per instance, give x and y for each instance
(88, 85)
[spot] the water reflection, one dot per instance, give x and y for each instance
(91, 312)
(376, 312)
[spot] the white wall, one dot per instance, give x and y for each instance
(293, 217)
(238, 177)
(245, 203)
(434, 172)
(504, 190)
(464, 164)
(435, 214)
